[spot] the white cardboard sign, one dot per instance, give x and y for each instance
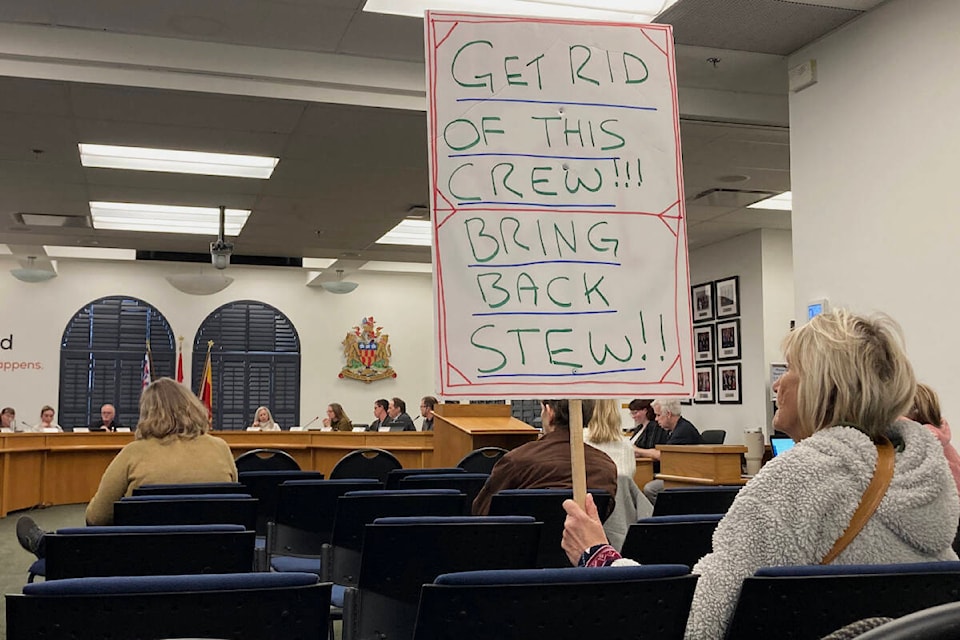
(559, 246)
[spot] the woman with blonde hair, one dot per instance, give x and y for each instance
(263, 421)
(926, 411)
(337, 418)
(848, 380)
(172, 446)
(605, 432)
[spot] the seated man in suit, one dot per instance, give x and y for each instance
(399, 420)
(380, 413)
(545, 463)
(682, 431)
(108, 420)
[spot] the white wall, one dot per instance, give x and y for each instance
(36, 314)
(874, 162)
(778, 310)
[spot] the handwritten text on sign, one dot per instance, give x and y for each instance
(560, 244)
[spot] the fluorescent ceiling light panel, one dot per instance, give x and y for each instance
(781, 202)
(398, 267)
(619, 10)
(410, 232)
(90, 253)
(175, 161)
(317, 263)
(161, 218)
(5, 250)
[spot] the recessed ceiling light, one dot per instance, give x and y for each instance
(622, 10)
(410, 232)
(90, 253)
(780, 202)
(175, 161)
(161, 218)
(398, 267)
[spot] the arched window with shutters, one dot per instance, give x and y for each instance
(101, 358)
(255, 362)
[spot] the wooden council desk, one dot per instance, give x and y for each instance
(65, 468)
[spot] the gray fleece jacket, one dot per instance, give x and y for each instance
(801, 502)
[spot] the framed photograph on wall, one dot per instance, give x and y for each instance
(703, 339)
(728, 340)
(701, 296)
(705, 385)
(728, 379)
(728, 297)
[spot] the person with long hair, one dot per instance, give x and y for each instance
(605, 432)
(336, 418)
(847, 382)
(263, 421)
(172, 446)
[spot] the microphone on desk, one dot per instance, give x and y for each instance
(310, 423)
(26, 426)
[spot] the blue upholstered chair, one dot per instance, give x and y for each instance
(365, 463)
(694, 500)
(936, 623)
(240, 606)
(263, 485)
(469, 484)
(650, 602)
(228, 508)
(395, 476)
(266, 460)
(482, 460)
(670, 539)
(394, 564)
(813, 601)
(189, 488)
(85, 552)
(304, 519)
(546, 505)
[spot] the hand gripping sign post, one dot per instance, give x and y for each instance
(559, 235)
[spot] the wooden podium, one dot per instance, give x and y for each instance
(700, 464)
(458, 429)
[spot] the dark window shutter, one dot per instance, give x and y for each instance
(255, 361)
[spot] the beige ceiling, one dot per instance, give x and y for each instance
(347, 174)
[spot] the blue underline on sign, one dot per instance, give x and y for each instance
(536, 262)
(543, 313)
(530, 155)
(572, 374)
(574, 104)
(534, 204)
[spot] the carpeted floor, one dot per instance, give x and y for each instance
(14, 561)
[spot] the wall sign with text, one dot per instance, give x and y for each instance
(560, 247)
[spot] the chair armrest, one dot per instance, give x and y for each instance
(326, 562)
(351, 613)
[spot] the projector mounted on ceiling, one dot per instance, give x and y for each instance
(221, 250)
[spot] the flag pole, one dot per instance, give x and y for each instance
(150, 360)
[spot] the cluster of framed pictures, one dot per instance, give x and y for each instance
(716, 338)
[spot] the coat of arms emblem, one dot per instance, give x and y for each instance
(367, 351)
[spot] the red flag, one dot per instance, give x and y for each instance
(180, 365)
(145, 375)
(206, 386)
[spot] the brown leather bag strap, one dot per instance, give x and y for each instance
(882, 475)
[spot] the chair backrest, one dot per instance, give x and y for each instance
(837, 595)
(365, 463)
(670, 539)
(266, 460)
(936, 623)
(396, 475)
(481, 460)
(357, 509)
(713, 436)
(184, 489)
(390, 580)
(263, 485)
(652, 602)
(305, 514)
(546, 505)
(698, 500)
(201, 508)
(143, 551)
(240, 606)
(469, 484)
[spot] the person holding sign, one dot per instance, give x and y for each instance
(545, 463)
(861, 486)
